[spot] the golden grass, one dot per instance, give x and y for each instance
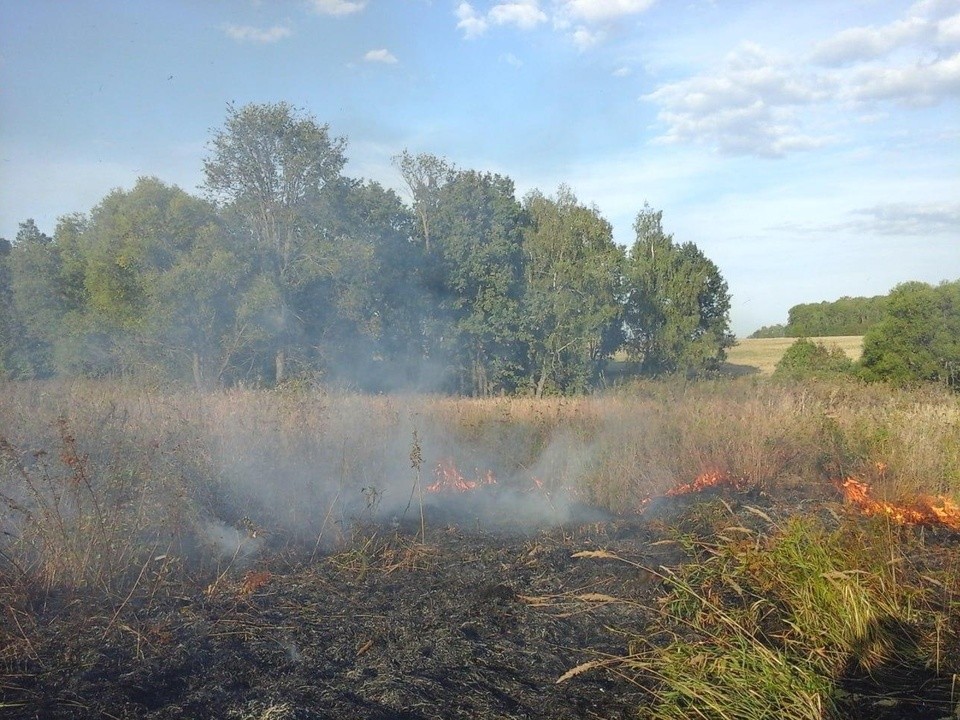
(94, 465)
(764, 353)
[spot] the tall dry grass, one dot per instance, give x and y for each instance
(774, 626)
(99, 478)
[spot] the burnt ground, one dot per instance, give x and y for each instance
(471, 624)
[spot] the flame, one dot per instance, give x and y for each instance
(707, 481)
(449, 479)
(922, 510)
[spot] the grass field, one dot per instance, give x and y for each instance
(155, 532)
(764, 353)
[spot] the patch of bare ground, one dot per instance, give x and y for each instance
(469, 624)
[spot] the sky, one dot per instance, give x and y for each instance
(811, 150)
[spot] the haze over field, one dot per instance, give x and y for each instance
(810, 154)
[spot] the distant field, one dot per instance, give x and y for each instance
(764, 353)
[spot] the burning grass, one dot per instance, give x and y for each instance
(171, 532)
(925, 510)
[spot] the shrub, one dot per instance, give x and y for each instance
(805, 359)
(918, 339)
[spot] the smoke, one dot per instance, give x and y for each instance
(99, 475)
(311, 468)
(228, 543)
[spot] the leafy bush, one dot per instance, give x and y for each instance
(806, 358)
(918, 340)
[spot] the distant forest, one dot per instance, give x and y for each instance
(286, 269)
(910, 336)
(846, 316)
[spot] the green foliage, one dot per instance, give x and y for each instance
(424, 175)
(270, 164)
(807, 359)
(573, 270)
(37, 304)
(478, 236)
(9, 324)
(157, 278)
(770, 331)
(290, 269)
(918, 340)
(765, 629)
(677, 303)
(846, 316)
(364, 311)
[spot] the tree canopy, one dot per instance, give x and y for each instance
(918, 339)
(677, 303)
(846, 316)
(288, 267)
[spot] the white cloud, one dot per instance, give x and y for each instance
(511, 59)
(913, 60)
(761, 104)
(948, 31)
(622, 71)
(915, 219)
(380, 56)
(470, 21)
(247, 33)
(928, 23)
(602, 10)
(567, 14)
(917, 84)
(585, 39)
(338, 7)
(525, 14)
(867, 43)
(748, 107)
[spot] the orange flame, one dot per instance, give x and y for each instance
(707, 481)
(922, 510)
(449, 479)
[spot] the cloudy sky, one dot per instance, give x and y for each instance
(812, 149)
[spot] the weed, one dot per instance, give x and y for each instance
(769, 628)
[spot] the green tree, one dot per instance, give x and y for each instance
(270, 163)
(363, 315)
(918, 340)
(424, 175)
(676, 303)
(572, 300)
(846, 316)
(38, 304)
(158, 281)
(10, 332)
(807, 359)
(770, 331)
(476, 283)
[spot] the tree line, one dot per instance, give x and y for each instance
(846, 316)
(915, 340)
(285, 268)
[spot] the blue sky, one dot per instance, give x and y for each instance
(812, 150)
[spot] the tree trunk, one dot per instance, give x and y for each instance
(542, 382)
(197, 371)
(281, 361)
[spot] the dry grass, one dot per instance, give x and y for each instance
(763, 354)
(766, 628)
(123, 490)
(99, 477)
